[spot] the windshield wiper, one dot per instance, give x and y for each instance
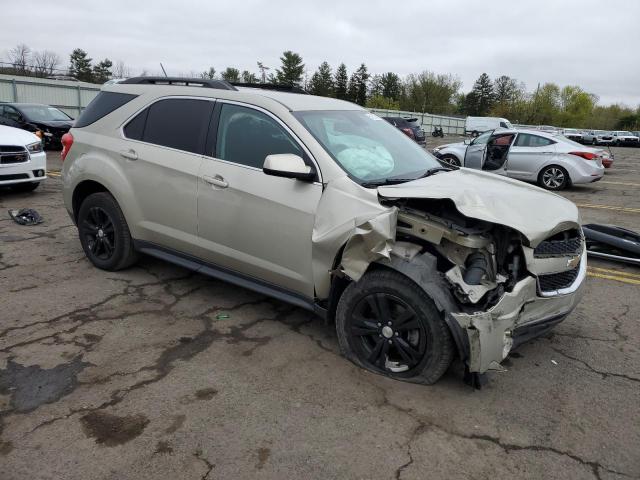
(395, 180)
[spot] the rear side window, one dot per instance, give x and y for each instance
(103, 104)
(528, 140)
(247, 136)
(178, 123)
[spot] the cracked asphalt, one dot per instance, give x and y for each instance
(157, 372)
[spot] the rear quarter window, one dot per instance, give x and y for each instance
(103, 104)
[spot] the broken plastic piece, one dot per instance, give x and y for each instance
(612, 243)
(26, 216)
(222, 316)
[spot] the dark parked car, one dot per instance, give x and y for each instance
(410, 128)
(52, 122)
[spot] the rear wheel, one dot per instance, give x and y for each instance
(25, 187)
(387, 324)
(554, 177)
(450, 160)
(104, 233)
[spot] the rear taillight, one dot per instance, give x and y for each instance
(67, 142)
(408, 132)
(585, 155)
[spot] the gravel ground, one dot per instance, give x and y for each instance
(156, 372)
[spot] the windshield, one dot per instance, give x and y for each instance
(365, 146)
(623, 133)
(44, 113)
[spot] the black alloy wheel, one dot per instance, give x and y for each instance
(99, 233)
(386, 334)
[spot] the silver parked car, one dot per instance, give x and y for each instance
(625, 138)
(552, 161)
(319, 203)
(597, 137)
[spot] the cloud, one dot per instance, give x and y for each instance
(583, 42)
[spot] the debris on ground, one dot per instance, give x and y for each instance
(26, 216)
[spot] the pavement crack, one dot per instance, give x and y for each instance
(210, 466)
(602, 373)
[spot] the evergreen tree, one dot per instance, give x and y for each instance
(248, 77)
(391, 85)
(481, 98)
(290, 73)
(80, 65)
(341, 82)
(322, 81)
(375, 86)
(102, 71)
(358, 83)
(231, 74)
(210, 74)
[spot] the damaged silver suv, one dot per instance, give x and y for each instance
(319, 203)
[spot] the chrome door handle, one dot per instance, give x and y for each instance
(218, 181)
(129, 154)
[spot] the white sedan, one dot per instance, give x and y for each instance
(23, 163)
(551, 160)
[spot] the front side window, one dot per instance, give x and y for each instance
(528, 140)
(179, 123)
(246, 136)
(482, 139)
(365, 146)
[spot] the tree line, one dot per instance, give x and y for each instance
(428, 92)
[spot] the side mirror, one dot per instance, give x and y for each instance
(467, 141)
(288, 165)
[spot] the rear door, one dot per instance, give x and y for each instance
(161, 156)
(528, 155)
(250, 222)
(475, 154)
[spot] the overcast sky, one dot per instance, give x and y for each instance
(591, 43)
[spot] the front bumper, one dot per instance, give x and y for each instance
(23, 172)
(519, 316)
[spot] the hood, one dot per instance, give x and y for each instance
(16, 136)
(58, 124)
(535, 213)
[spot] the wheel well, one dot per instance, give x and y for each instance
(82, 191)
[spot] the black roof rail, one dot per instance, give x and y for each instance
(271, 86)
(178, 81)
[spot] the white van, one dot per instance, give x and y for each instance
(477, 125)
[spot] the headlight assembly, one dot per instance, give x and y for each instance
(35, 147)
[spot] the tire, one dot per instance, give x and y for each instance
(554, 178)
(594, 142)
(26, 187)
(450, 160)
(418, 349)
(104, 233)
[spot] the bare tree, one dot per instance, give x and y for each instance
(45, 63)
(19, 56)
(120, 70)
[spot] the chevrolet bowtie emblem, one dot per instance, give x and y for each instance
(573, 262)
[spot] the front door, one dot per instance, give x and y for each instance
(474, 156)
(497, 152)
(250, 222)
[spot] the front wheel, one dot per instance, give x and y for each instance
(388, 325)
(104, 233)
(450, 160)
(553, 178)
